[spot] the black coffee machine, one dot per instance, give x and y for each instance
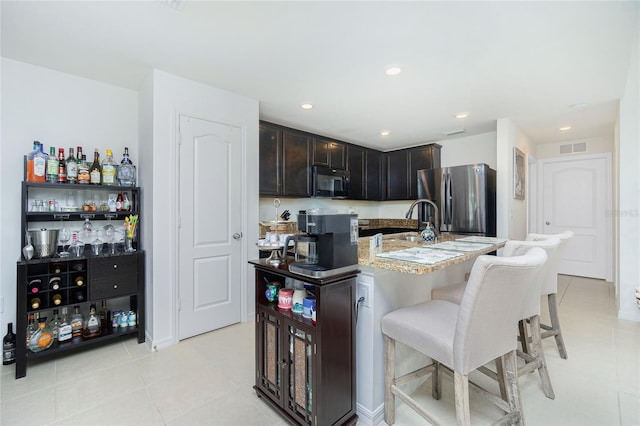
(336, 238)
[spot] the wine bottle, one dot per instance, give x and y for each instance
(95, 171)
(56, 268)
(54, 325)
(34, 286)
(35, 303)
(9, 346)
(79, 281)
(109, 169)
(78, 296)
(105, 316)
(55, 283)
(56, 299)
(52, 166)
(72, 167)
(62, 166)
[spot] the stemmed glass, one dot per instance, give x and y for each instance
(64, 236)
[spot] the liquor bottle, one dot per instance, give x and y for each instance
(36, 164)
(54, 325)
(32, 326)
(34, 286)
(83, 169)
(72, 167)
(62, 167)
(95, 171)
(92, 325)
(64, 330)
(109, 169)
(77, 320)
(126, 204)
(105, 316)
(55, 283)
(41, 339)
(9, 346)
(52, 166)
(56, 299)
(35, 303)
(120, 202)
(126, 170)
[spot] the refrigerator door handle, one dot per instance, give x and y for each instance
(449, 203)
(443, 201)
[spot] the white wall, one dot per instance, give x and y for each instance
(59, 110)
(470, 150)
(595, 145)
(629, 196)
(511, 213)
(171, 95)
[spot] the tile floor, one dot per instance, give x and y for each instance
(207, 380)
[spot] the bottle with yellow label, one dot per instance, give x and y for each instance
(109, 169)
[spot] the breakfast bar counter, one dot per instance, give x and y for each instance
(402, 272)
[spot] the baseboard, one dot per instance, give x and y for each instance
(370, 418)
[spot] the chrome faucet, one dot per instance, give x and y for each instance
(420, 223)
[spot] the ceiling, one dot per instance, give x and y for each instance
(527, 61)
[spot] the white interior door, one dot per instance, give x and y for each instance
(575, 196)
(210, 215)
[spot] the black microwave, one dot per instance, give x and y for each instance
(330, 182)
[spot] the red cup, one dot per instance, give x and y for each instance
(285, 298)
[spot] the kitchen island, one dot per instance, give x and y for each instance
(388, 281)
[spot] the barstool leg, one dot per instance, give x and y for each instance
(510, 372)
(536, 352)
(524, 336)
(436, 381)
(461, 391)
(555, 324)
(389, 379)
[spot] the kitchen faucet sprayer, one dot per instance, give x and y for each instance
(436, 211)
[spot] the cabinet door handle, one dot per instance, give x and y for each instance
(115, 286)
(115, 266)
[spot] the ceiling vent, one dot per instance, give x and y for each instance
(571, 148)
(454, 132)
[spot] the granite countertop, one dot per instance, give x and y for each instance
(393, 242)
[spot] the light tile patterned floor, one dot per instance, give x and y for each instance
(207, 380)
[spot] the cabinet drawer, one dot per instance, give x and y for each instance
(113, 277)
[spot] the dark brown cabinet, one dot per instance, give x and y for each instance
(79, 280)
(401, 168)
(364, 167)
(285, 161)
(306, 371)
(329, 153)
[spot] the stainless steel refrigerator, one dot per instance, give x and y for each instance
(465, 196)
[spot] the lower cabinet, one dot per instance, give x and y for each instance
(306, 370)
(64, 283)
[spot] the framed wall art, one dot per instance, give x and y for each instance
(519, 180)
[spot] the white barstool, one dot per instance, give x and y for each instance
(550, 289)
(531, 347)
(464, 337)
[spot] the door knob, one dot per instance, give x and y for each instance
(548, 223)
(237, 235)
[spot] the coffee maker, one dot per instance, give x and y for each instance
(336, 243)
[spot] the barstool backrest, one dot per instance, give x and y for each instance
(548, 271)
(487, 324)
(551, 286)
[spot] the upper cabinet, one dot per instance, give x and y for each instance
(364, 167)
(285, 161)
(329, 153)
(402, 166)
(286, 157)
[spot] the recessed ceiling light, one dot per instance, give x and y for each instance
(385, 132)
(393, 70)
(565, 128)
(462, 115)
(306, 106)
